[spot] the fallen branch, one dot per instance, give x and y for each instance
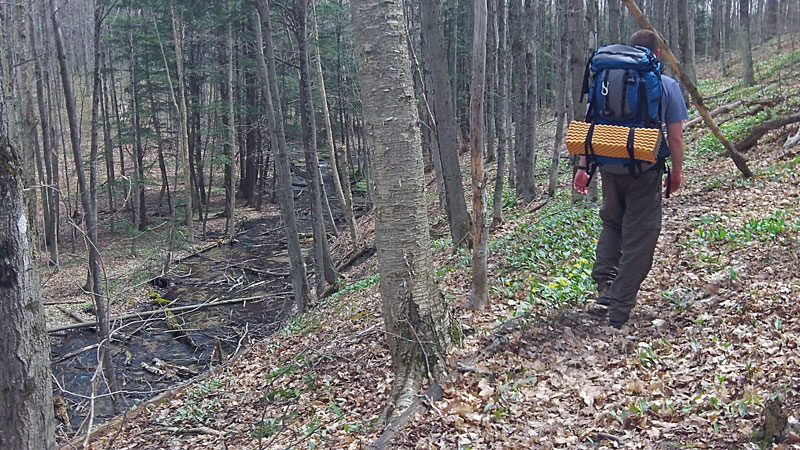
(75, 353)
(762, 129)
(724, 109)
(147, 314)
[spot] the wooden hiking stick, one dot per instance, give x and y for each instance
(730, 150)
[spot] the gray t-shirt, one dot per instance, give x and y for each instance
(673, 109)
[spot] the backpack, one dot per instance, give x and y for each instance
(623, 85)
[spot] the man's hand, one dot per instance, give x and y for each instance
(580, 181)
(675, 179)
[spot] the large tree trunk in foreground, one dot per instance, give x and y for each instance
(26, 418)
(434, 58)
(419, 327)
(269, 84)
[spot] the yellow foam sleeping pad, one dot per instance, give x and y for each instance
(612, 141)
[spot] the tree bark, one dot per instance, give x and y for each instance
(479, 295)
(747, 50)
(323, 266)
(577, 63)
(614, 21)
(419, 327)
(560, 65)
(89, 207)
(274, 113)
(26, 419)
(501, 116)
(177, 32)
(491, 80)
(347, 207)
(228, 121)
(434, 56)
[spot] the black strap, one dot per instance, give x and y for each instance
(669, 178)
(588, 153)
(635, 167)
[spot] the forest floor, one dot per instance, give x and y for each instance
(713, 339)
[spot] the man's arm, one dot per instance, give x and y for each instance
(675, 141)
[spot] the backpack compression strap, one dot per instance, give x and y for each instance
(591, 162)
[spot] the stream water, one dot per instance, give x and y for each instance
(150, 356)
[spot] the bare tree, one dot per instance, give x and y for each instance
(500, 118)
(419, 326)
(269, 84)
(747, 46)
(479, 295)
(183, 123)
(446, 129)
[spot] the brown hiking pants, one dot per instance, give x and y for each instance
(631, 215)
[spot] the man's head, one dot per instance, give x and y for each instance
(645, 38)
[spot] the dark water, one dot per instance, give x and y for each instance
(254, 267)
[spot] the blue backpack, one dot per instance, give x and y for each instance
(623, 85)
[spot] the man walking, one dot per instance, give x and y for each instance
(631, 211)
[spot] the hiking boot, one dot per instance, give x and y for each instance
(602, 294)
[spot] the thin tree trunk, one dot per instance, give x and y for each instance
(479, 295)
(439, 93)
(491, 80)
(228, 121)
(137, 179)
(26, 420)
(501, 116)
(577, 63)
(614, 21)
(747, 50)
(560, 57)
(347, 210)
(87, 196)
(323, 266)
(419, 327)
(269, 83)
(177, 31)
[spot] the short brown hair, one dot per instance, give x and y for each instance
(645, 38)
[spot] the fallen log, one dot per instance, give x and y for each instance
(762, 129)
(147, 314)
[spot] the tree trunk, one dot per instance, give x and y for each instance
(520, 77)
(747, 50)
(491, 80)
(501, 116)
(614, 21)
(177, 32)
(138, 181)
(228, 121)
(434, 56)
(526, 158)
(269, 83)
(577, 63)
(347, 209)
(479, 295)
(418, 324)
(687, 46)
(560, 65)
(88, 198)
(51, 205)
(26, 420)
(323, 266)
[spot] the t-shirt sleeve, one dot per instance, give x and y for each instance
(674, 103)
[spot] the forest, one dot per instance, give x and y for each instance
(361, 224)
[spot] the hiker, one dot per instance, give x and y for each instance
(631, 210)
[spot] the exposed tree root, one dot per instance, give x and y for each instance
(759, 131)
